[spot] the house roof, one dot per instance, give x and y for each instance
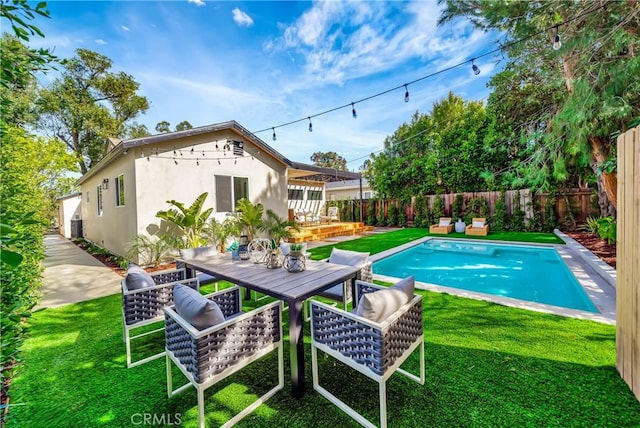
(296, 169)
(70, 195)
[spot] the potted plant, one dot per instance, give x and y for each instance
(274, 256)
(295, 260)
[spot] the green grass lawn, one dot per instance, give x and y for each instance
(381, 242)
(487, 366)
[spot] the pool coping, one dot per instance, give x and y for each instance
(592, 279)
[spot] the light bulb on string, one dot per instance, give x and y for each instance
(406, 93)
(217, 148)
(197, 162)
(174, 152)
(192, 150)
(274, 133)
(557, 44)
(474, 67)
(219, 161)
(310, 124)
(175, 161)
(353, 111)
(235, 161)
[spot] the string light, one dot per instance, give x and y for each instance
(310, 124)
(274, 133)
(197, 162)
(557, 44)
(500, 48)
(406, 93)
(192, 148)
(175, 161)
(474, 67)
(353, 111)
(219, 162)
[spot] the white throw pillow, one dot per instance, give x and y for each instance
(444, 223)
(380, 305)
(478, 224)
(349, 258)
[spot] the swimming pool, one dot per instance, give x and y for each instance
(533, 273)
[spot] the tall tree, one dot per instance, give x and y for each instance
(594, 72)
(444, 151)
(329, 160)
(183, 126)
(88, 104)
(163, 127)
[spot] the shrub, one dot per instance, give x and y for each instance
(550, 213)
(500, 215)
(392, 215)
(438, 209)
(402, 214)
(371, 212)
(473, 210)
(517, 218)
(607, 229)
(380, 217)
(456, 210)
(592, 225)
(418, 213)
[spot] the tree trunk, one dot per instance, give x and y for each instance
(607, 181)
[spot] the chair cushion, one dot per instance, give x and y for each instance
(137, 278)
(349, 258)
(198, 253)
(444, 223)
(334, 293)
(381, 304)
(196, 309)
(477, 224)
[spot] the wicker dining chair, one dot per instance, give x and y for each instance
(342, 292)
(144, 297)
(208, 356)
(375, 349)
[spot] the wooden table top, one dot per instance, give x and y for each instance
(278, 283)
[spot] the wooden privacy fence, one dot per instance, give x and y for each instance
(628, 260)
(579, 202)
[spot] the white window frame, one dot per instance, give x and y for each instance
(232, 189)
(119, 179)
(99, 200)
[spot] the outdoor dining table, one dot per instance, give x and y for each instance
(292, 288)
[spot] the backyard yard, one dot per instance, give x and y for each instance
(486, 365)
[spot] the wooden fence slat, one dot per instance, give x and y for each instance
(628, 266)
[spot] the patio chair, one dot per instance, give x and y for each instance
(375, 340)
(332, 214)
(209, 349)
(444, 226)
(198, 253)
(144, 297)
(478, 227)
(342, 292)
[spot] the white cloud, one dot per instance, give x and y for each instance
(241, 18)
(125, 28)
(100, 42)
(197, 2)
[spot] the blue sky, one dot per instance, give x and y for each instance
(266, 63)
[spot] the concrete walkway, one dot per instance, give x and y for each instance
(71, 275)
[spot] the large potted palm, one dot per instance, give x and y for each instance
(191, 221)
(251, 222)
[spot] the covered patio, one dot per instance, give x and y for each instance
(307, 204)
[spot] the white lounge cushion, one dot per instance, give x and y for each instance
(137, 278)
(380, 305)
(348, 258)
(198, 253)
(196, 309)
(444, 223)
(477, 224)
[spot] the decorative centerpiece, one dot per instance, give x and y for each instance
(274, 258)
(259, 249)
(295, 260)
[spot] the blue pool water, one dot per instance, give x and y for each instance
(531, 273)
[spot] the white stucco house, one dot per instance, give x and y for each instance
(69, 208)
(123, 192)
(348, 189)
